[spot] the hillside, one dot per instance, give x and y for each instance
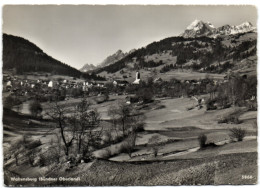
(113, 58)
(24, 56)
(201, 54)
(107, 61)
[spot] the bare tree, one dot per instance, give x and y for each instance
(78, 127)
(58, 115)
(112, 112)
(154, 141)
(210, 90)
(237, 133)
(16, 154)
(109, 136)
(202, 140)
(55, 149)
(86, 128)
(120, 113)
(30, 156)
(17, 148)
(137, 122)
(126, 117)
(129, 143)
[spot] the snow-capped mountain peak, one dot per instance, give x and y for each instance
(245, 25)
(210, 25)
(193, 25)
(198, 24)
(199, 28)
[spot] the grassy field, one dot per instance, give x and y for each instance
(217, 170)
(177, 74)
(179, 160)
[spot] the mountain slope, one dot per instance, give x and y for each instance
(199, 28)
(107, 61)
(113, 58)
(230, 30)
(24, 56)
(87, 67)
(203, 54)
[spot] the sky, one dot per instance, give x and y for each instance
(80, 34)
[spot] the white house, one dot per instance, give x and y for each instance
(115, 82)
(84, 88)
(50, 84)
(9, 83)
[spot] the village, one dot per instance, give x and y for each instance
(117, 105)
(44, 88)
(156, 106)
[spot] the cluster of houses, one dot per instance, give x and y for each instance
(21, 86)
(12, 83)
(125, 83)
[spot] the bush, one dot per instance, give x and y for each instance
(231, 118)
(54, 154)
(139, 127)
(124, 148)
(10, 101)
(35, 108)
(31, 157)
(211, 104)
(128, 145)
(155, 151)
(108, 137)
(42, 160)
(202, 140)
(145, 94)
(33, 144)
(237, 133)
(117, 139)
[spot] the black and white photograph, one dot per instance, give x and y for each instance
(129, 95)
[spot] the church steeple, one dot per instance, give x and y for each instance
(137, 78)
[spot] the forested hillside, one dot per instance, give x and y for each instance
(24, 56)
(201, 53)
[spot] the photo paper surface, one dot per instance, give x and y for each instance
(129, 95)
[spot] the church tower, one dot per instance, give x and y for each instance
(137, 75)
(137, 78)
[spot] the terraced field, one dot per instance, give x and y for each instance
(179, 161)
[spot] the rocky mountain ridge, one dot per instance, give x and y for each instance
(87, 67)
(118, 55)
(200, 28)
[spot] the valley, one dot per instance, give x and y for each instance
(176, 137)
(180, 111)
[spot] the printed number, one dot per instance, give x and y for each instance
(247, 177)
